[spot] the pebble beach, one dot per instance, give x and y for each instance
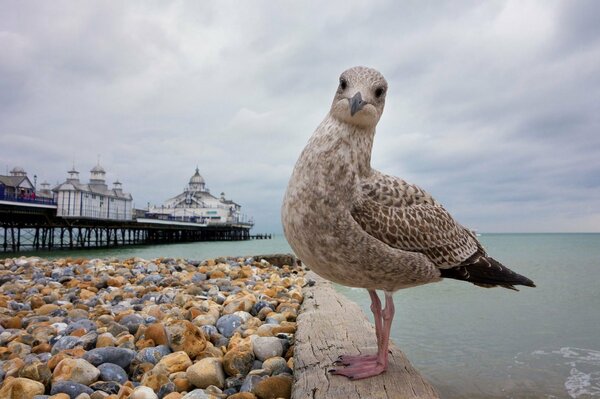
(148, 329)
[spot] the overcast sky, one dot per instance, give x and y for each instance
(493, 107)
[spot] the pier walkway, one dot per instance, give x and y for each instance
(28, 225)
(330, 325)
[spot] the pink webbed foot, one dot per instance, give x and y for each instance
(362, 369)
(365, 366)
(350, 360)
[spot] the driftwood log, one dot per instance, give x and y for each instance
(330, 325)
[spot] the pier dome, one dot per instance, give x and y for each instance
(197, 182)
(98, 169)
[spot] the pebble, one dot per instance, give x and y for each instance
(207, 372)
(112, 372)
(109, 354)
(161, 329)
(228, 324)
(267, 347)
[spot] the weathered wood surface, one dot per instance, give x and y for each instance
(330, 325)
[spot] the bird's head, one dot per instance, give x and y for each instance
(360, 97)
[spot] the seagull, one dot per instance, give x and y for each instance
(358, 227)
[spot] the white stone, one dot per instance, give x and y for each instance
(143, 392)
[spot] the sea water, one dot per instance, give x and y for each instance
(475, 342)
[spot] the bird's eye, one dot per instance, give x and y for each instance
(343, 84)
(379, 92)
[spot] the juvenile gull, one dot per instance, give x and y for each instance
(359, 227)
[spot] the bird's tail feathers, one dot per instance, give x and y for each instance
(486, 272)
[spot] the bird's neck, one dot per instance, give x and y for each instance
(345, 144)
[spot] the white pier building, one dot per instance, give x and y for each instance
(93, 200)
(197, 204)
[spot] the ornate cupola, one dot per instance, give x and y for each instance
(73, 176)
(97, 177)
(196, 182)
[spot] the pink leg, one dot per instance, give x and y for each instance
(368, 367)
(348, 360)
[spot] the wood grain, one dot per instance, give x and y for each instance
(330, 325)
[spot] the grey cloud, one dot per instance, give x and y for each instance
(492, 106)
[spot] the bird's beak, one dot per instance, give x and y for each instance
(356, 103)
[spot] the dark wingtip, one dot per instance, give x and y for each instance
(487, 272)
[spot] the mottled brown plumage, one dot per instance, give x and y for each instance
(358, 227)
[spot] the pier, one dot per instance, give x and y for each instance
(33, 225)
(329, 324)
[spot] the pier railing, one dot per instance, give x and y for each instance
(28, 199)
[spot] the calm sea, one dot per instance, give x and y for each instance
(473, 342)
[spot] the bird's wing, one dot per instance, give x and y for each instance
(406, 217)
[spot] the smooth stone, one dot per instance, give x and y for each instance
(73, 389)
(118, 356)
(228, 324)
(88, 341)
(236, 303)
(196, 394)
(276, 365)
(143, 392)
(184, 336)
(132, 322)
(174, 362)
(155, 379)
(112, 372)
(156, 332)
(36, 371)
(65, 343)
(21, 388)
(259, 306)
(152, 354)
(85, 324)
(75, 370)
(267, 347)
(105, 339)
(238, 361)
(279, 386)
(166, 389)
(206, 372)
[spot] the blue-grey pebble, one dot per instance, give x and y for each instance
(118, 356)
(228, 323)
(234, 383)
(112, 372)
(152, 354)
(65, 343)
(166, 389)
(271, 320)
(88, 341)
(209, 330)
(250, 382)
(199, 277)
(85, 324)
(110, 387)
(259, 305)
(132, 322)
(73, 389)
(152, 279)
